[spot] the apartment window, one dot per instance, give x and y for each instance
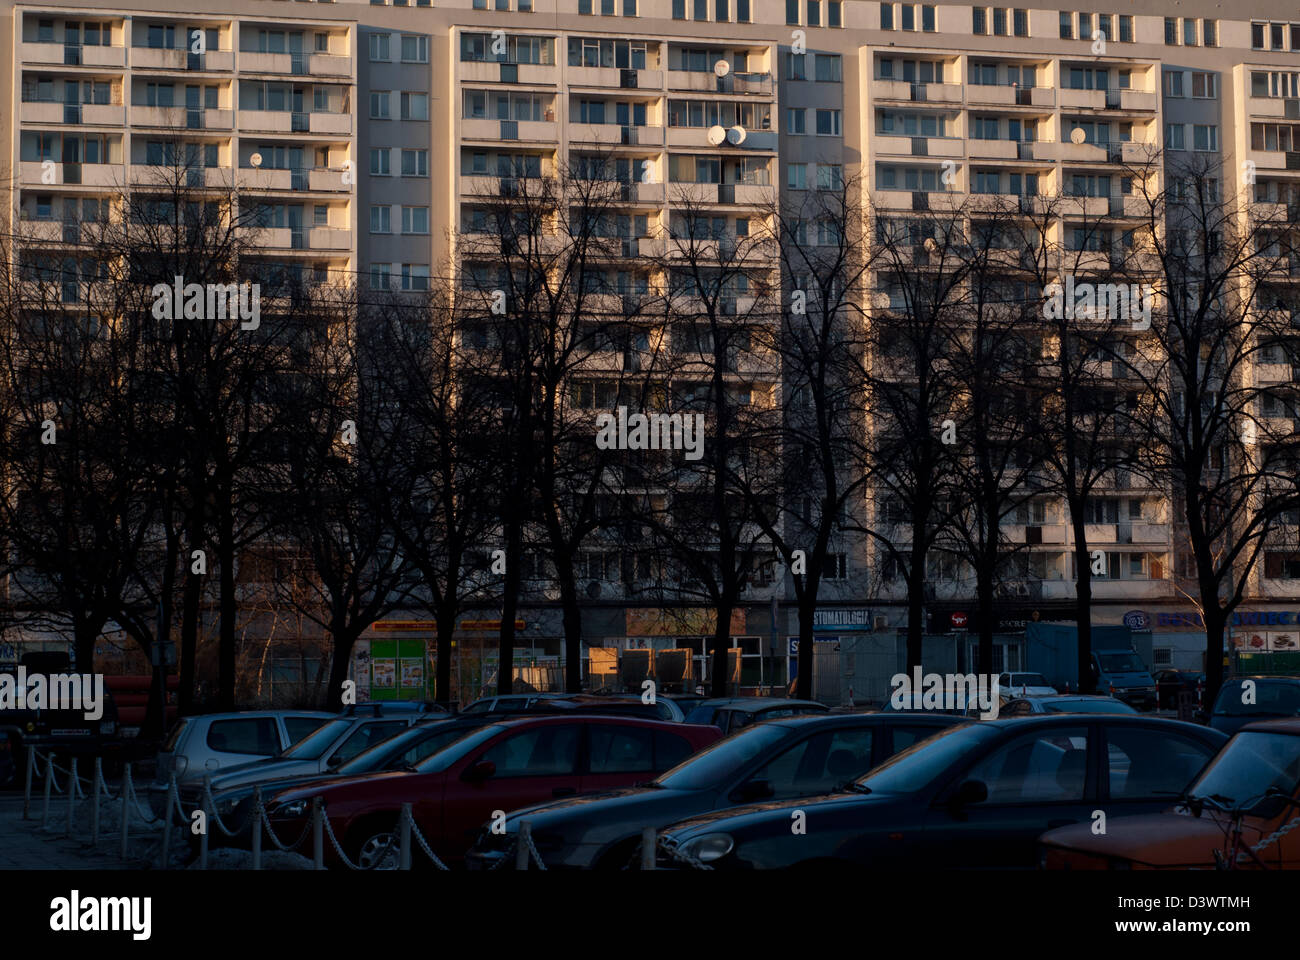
(1277, 36)
(1173, 83)
(1205, 86)
(1205, 137)
(381, 276)
(415, 220)
(379, 104)
(1257, 36)
(1105, 26)
(828, 123)
(927, 19)
(830, 176)
(1020, 23)
(381, 219)
(415, 276)
(979, 21)
(886, 16)
(1067, 26)
(380, 160)
(1210, 33)
(797, 176)
(721, 11)
(814, 8)
(679, 9)
(379, 47)
(415, 106)
(828, 68)
(1171, 31)
(415, 163)
(1125, 28)
(415, 49)
(1189, 32)
(1174, 137)
(836, 566)
(909, 16)
(796, 66)
(792, 12)
(999, 22)
(834, 15)
(795, 121)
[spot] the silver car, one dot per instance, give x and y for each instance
(213, 741)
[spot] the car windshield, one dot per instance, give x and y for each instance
(919, 764)
(314, 745)
(1268, 698)
(458, 748)
(1029, 680)
(1121, 663)
(1083, 705)
(710, 767)
(1251, 762)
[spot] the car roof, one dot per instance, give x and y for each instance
(1108, 718)
(758, 702)
(1058, 697)
(237, 714)
(1264, 676)
(546, 719)
(840, 719)
(1279, 725)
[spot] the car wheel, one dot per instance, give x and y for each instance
(624, 855)
(376, 846)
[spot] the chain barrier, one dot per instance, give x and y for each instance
(686, 858)
(1271, 839)
(259, 809)
(329, 830)
(532, 848)
(216, 817)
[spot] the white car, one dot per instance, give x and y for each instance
(1025, 685)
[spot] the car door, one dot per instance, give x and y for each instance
(296, 728)
(533, 765)
(1041, 778)
(365, 736)
(1144, 768)
(901, 736)
(618, 755)
(811, 766)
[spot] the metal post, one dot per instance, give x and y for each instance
(207, 822)
(126, 813)
(318, 832)
(94, 810)
(648, 841)
(49, 782)
(72, 797)
(521, 847)
(404, 838)
(167, 824)
(27, 788)
(257, 828)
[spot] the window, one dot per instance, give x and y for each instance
(927, 19)
(1205, 137)
(796, 176)
(1174, 137)
(828, 68)
(415, 276)
(379, 104)
(1125, 28)
(1050, 765)
(1020, 23)
(796, 66)
(415, 106)
(834, 16)
(979, 21)
(1276, 35)
(380, 160)
(999, 22)
(795, 121)
(415, 163)
(817, 765)
(1210, 33)
(886, 16)
(814, 13)
(909, 16)
(828, 123)
(1173, 83)
(381, 219)
(830, 176)
(379, 47)
(252, 735)
(1171, 31)
(1205, 85)
(365, 738)
(792, 12)
(1189, 32)
(1147, 764)
(541, 752)
(621, 749)
(415, 220)
(1067, 26)
(414, 49)
(1257, 36)
(381, 276)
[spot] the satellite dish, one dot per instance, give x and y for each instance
(1077, 135)
(722, 68)
(736, 135)
(930, 245)
(255, 159)
(717, 135)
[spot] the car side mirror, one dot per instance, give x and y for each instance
(754, 790)
(970, 791)
(478, 772)
(334, 761)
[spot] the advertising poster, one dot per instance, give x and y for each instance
(383, 674)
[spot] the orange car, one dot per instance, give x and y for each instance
(1231, 816)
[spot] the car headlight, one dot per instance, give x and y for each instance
(294, 808)
(711, 846)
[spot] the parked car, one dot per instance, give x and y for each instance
(616, 703)
(208, 742)
(422, 739)
(500, 766)
(1256, 775)
(381, 708)
(731, 713)
(1062, 703)
(511, 703)
(1170, 683)
(66, 732)
(1269, 697)
(797, 756)
(974, 795)
(1025, 685)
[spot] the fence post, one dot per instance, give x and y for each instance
(27, 788)
(94, 793)
(167, 824)
(126, 812)
(648, 841)
(207, 822)
(49, 782)
(521, 847)
(256, 826)
(404, 839)
(318, 832)
(72, 797)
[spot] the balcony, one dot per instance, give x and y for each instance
(1274, 159)
(1273, 373)
(1086, 99)
(702, 81)
(526, 131)
(908, 92)
(1270, 108)
(1091, 207)
(494, 71)
(87, 114)
(697, 138)
(994, 149)
(1069, 152)
(329, 65)
(1005, 95)
(56, 54)
(615, 78)
(329, 238)
(919, 146)
(212, 178)
(285, 121)
(322, 180)
(85, 174)
(158, 58)
(1138, 100)
(613, 134)
(182, 118)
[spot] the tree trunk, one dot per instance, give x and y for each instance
(572, 616)
(916, 604)
(509, 608)
(807, 607)
(1083, 601)
(84, 635)
(721, 643)
(344, 640)
(226, 658)
(189, 642)
(984, 603)
(1216, 622)
(446, 620)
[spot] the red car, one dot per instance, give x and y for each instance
(499, 766)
